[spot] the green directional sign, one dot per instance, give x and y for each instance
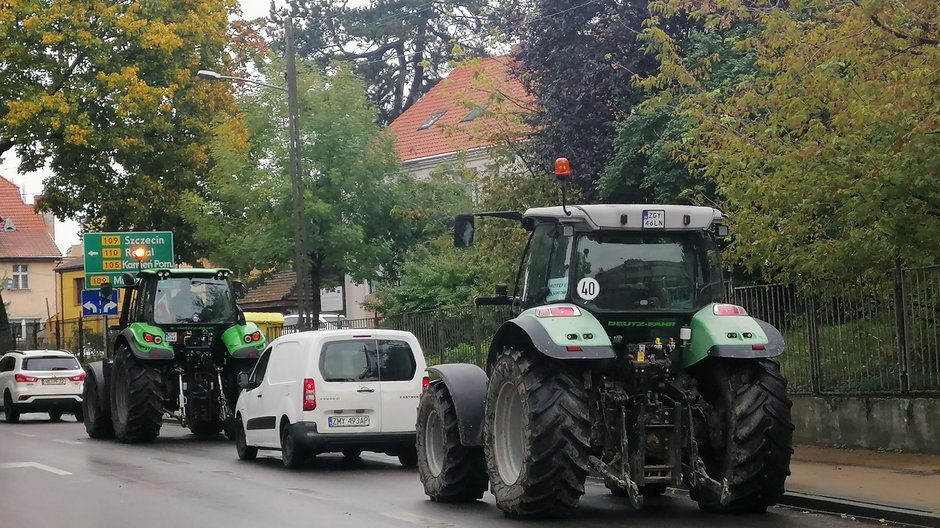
(108, 255)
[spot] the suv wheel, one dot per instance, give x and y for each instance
(9, 414)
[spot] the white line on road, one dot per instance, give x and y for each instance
(27, 435)
(312, 493)
(426, 522)
(37, 465)
(69, 442)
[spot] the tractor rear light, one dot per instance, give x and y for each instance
(157, 339)
(256, 336)
(757, 347)
(425, 383)
(729, 309)
(80, 377)
(248, 339)
(310, 395)
(573, 348)
(558, 311)
(22, 378)
(148, 337)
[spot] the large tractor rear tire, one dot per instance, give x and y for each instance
(749, 435)
(449, 471)
(536, 435)
(136, 398)
(96, 407)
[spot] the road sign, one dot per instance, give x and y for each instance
(93, 304)
(108, 255)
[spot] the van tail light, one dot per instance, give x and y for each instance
(425, 383)
(729, 309)
(20, 378)
(80, 377)
(310, 395)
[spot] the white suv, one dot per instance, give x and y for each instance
(333, 391)
(41, 381)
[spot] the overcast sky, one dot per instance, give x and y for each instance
(31, 184)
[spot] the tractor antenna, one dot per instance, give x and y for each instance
(562, 172)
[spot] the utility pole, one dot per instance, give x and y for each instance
(301, 249)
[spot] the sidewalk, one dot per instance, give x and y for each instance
(900, 480)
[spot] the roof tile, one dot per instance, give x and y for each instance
(30, 239)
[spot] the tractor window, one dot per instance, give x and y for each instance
(642, 271)
(545, 273)
(192, 300)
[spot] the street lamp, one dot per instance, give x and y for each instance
(301, 264)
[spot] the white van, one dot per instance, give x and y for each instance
(333, 391)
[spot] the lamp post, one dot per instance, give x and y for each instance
(301, 263)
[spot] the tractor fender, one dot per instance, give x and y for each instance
(467, 387)
(140, 348)
(529, 328)
(773, 348)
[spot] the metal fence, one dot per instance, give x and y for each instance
(879, 338)
(82, 336)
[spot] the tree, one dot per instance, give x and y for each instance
(7, 340)
(827, 156)
(105, 95)
(349, 166)
(578, 59)
(401, 48)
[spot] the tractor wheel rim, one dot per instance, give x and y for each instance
(508, 432)
(434, 443)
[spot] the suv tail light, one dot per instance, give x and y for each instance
(79, 377)
(310, 395)
(729, 309)
(425, 383)
(21, 378)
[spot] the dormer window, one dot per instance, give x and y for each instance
(431, 120)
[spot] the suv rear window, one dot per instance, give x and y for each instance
(367, 360)
(50, 363)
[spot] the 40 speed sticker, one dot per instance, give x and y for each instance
(588, 288)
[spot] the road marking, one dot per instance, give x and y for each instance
(36, 465)
(232, 474)
(69, 442)
(27, 435)
(312, 493)
(170, 460)
(426, 522)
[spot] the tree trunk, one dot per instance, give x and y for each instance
(7, 341)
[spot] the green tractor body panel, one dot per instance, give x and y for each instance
(240, 343)
(576, 330)
(156, 348)
(730, 336)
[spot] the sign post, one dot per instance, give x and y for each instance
(109, 255)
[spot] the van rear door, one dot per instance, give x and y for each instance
(349, 397)
(401, 384)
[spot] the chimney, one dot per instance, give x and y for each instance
(47, 216)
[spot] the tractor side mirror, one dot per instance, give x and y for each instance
(128, 279)
(463, 231)
(502, 289)
(106, 291)
(242, 380)
(721, 231)
(239, 288)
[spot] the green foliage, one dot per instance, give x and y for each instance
(105, 95)
(349, 169)
(7, 341)
(828, 154)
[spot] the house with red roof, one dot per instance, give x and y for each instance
(28, 256)
(461, 117)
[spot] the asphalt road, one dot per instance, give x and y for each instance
(52, 475)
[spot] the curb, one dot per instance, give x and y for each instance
(856, 508)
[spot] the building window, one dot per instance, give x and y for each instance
(431, 120)
(20, 277)
(79, 286)
(475, 113)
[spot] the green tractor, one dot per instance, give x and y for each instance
(179, 347)
(621, 358)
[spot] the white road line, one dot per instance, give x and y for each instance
(312, 493)
(36, 465)
(27, 435)
(69, 442)
(426, 522)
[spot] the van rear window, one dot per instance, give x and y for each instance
(367, 360)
